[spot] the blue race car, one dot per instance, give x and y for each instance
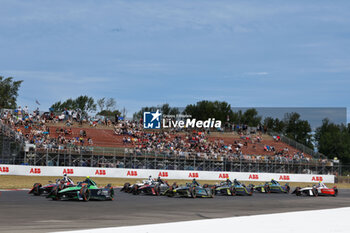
(272, 187)
(234, 188)
(193, 190)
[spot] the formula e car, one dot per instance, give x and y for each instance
(156, 188)
(193, 190)
(316, 190)
(272, 187)
(38, 189)
(234, 188)
(84, 191)
(129, 188)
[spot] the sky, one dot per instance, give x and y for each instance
(144, 53)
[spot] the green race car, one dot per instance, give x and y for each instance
(272, 187)
(84, 191)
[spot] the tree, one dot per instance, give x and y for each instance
(333, 140)
(274, 125)
(101, 103)
(84, 103)
(9, 92)
(111, 104)
(251, 118)
(297, 129)
(205, 109)
(164, 108)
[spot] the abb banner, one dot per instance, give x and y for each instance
(167, 174)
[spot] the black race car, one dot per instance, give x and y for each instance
(38, 189)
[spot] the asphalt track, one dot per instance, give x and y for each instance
(20, 212)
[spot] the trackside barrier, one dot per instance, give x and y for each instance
(21, 170)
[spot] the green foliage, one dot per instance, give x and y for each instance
(334, 140)
(205, 109)
(251, 118)
(297, 129)
(165, 109)
(292, 126)
(109, 113)
(9, 92)
(84, 103)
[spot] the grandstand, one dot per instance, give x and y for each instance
(127, 145)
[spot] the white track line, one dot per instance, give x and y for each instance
(327, 221)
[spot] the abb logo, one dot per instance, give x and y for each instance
(100, 172)
(193, 175)
(132, 173)
(35, 171)
(163, 174)
(253, 177)
(317, 178)
(68, 171)
(224, 176)
(284, 177)
(4, 169)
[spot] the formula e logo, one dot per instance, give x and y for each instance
(152, 120)
(100, 172)
(317, 178)
(35, 171)
(68, 171)
(224, 176)
(4, 169)
(132, 173)
(253, 177)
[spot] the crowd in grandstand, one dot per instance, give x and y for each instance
(32, 128)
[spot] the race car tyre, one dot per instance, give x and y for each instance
(36, 189)
(135, 190)
(170, 192)
(297, 191)
(85, 193)
(205, 186)
(315, 192)
(110, 192)
(251, 192)
(126, 187)
(233, 191)
(157, 190)
(212, 192)
(287, 189)
(267, 189)
(193, 192)
(335, 192)
(54, 193)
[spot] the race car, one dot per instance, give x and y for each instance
(128, 188)
(38, 189)
(272, 187)
(316, 190)
(234, 188)
(193, 190)
(156, 188)
(84, 191)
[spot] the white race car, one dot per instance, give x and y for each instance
(319, 189)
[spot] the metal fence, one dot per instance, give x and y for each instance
(297, 145)
(121, 158)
